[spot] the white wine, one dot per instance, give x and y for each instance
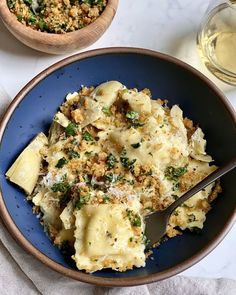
(217, 42)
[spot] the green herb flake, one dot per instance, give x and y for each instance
(20, 18)
(71, 129)
(111, 161)
(129, 164)
(106, 199)
(28, 2)
(73, 154)
(134, 218)
(42, 25)
(111, 177)
(32, 19)
(87, 136)
(175, 197)
(176, 213)
(88, 154)
(172, 173)
(82, 201)
(146, 241)
(11, 3)
(191, 218)
(136, 145)
(106, 111)
(132, 115)
(61, 163)
(62, 187)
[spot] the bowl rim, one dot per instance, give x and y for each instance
(52, 38)
(78, 275)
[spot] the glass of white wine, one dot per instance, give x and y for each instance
(216, 40)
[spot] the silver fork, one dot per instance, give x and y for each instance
(156, 223)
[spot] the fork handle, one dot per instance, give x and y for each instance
(201, 185)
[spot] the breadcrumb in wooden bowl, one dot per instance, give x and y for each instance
(58, 26)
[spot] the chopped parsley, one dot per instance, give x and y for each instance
(11, 3)
(82, 201)
(94, 2)
(73, 154)
(172, 173)
(133, 117)
(61, 162)
(42, 25)
(136, 145)
(134, 218)
(127, 163)
(61, 187)
(106, 111)
(175, 197)
(111, 161)
(28, 2)
(146, 241)
(191, 218)
(113, 177)
(32, 19)
(71, 129)
(87, 136)
(176, 213)
(106, 199)
(88, 154)
(110, 177)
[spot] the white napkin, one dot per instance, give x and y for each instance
(21, 273)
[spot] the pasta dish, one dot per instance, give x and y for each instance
(113, 155)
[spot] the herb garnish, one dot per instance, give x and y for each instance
(87, 136)
(62, 187)
(106, 199)
(172, 173)
(191, 218)
(71, 129)
(136, 145)
(73, 154)
(11, 3)
(133, 117)
(82, 201)
(134, 218)
(111, 161)
(106, 111)
(61, 162)
(126, 162)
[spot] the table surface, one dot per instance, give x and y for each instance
(158, 25)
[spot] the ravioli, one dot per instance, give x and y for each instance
(107, 227)
(113, 156)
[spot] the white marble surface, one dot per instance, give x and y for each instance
(162, 25)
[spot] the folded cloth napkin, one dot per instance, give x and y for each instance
(21, 273)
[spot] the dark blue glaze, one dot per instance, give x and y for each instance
(167, 81)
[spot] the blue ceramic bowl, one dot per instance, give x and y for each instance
(32, 111)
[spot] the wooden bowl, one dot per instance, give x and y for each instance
(59, 43)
